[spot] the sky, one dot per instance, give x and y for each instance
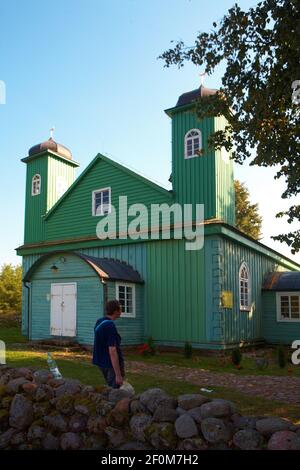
(90, 69)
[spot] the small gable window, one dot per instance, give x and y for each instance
(125, 293)
(288, 306)
(36, 185)
(192, 143)
(244, 287)
(102, 201)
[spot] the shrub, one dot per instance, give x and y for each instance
(148, 348)
(281, 356)
(188, 350)
(236, 356)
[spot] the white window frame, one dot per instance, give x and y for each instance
(127, 284)
(245, 308)
(288, 294)
(36, 178)
(94, 205)
(186, 138)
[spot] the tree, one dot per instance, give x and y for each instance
(260, 49)
(10, 288)
(247, 218)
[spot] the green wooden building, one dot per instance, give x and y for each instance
(214, 297)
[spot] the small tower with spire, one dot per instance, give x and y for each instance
(50, 171)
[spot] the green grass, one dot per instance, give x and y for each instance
(214, 363)
(11, 334)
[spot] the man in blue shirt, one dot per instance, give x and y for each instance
(107, 354)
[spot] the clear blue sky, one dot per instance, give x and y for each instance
(90, 68)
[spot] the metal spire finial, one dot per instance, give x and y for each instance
(202, 77)
(51, 132)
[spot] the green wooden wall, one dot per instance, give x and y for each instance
(206, 179)
(73, 218)
(277, 332)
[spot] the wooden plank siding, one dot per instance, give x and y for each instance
(277, 332)
(73, 217)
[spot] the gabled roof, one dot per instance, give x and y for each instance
(282, 281)
(100, 157)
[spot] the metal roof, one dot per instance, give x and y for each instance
(106, 268)
(190, 96)
(282, 281)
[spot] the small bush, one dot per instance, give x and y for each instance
(148, 348)
(188, 350)
(281, 356)
(236, 356)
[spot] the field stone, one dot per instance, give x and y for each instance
(248, 439)
(41, 376)
(24, 372)
(14, 385)
(117, 394)
(215, 409)
(78, 423)
(18, 438)
(269, 426)
(284, 440)
(243, 422)
(191, 400)
(6, 437)
(153, 397)
(56, 423)
(161, 435)
(70, 387)
(193, 444)
(133, 445)
(164, 414)
(229, 403)
(70, 441)
(36, 432)
(195, 413)
(186, 427)
(21, 412)
(115, 436)
(44, 392)
(137, 407)
(214, 430)
(138, 424)
(50, 442)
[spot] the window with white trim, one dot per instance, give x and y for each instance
(192, 143)
(102, 201)
(125, 293)
(36, 185)
(288, 306)
(244, 287)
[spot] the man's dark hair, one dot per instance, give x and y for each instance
(111, 306)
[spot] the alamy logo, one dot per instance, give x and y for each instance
(2, 353)
(296, 92)
(160, 221)
(2, 92)
(296, 354)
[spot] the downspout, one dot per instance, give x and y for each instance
(105, 295)
(28, 307)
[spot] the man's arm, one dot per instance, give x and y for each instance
(113, 353)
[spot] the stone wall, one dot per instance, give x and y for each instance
(39, 412)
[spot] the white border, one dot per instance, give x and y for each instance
(127, 284)
(34, 176)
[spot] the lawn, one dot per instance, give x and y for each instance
(79, 366)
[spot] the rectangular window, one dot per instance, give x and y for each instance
(125, 294)
(101, 201)
(288, 306)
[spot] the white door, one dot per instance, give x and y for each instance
(63, 309)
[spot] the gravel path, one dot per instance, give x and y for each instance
(284, 389)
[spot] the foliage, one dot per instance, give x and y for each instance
(281, 356)
(236, 357)
(260, 51)
(188, 350)
(10, 288)
(247, 217)
(148, 348)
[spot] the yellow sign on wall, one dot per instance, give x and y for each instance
(226, 299)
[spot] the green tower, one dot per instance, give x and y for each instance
(50, 171)
(200, 175)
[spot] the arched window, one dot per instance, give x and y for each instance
(36, 185)
(192, 143)
(244, 287)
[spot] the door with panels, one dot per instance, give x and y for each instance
(63, 309)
